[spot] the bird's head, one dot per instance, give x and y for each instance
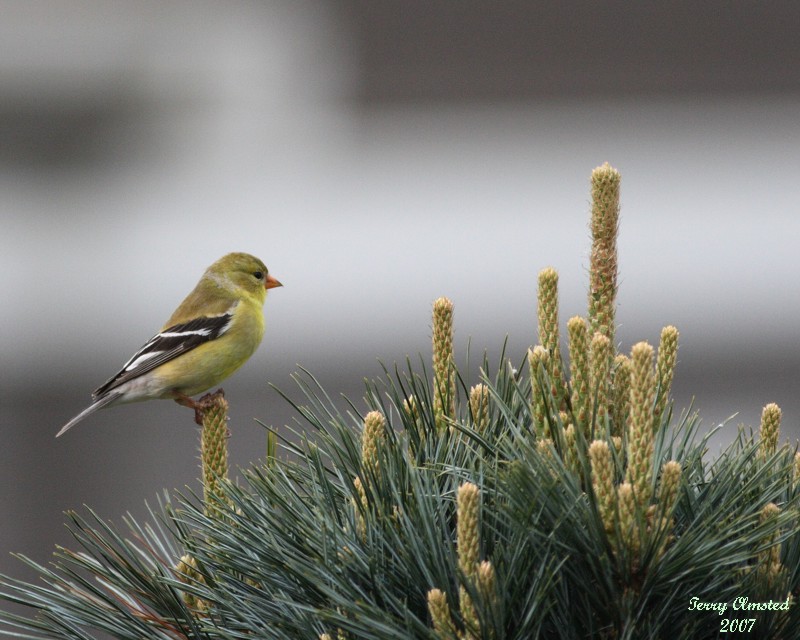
(243, 273)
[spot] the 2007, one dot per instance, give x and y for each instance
(734, 625)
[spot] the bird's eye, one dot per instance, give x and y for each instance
(259, 275)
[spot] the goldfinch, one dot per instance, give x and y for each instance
(210, 335)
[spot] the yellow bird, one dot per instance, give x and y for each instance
(212, 333)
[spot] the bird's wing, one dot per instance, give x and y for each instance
(168, 345)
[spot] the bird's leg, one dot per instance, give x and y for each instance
(186, 401)
(199, 406)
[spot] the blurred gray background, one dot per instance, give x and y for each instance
(376, 155)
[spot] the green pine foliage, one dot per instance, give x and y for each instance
(520, 507)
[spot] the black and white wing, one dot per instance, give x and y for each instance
(168, 345)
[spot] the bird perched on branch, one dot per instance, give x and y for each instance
(210, 335)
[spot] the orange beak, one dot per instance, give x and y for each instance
(271, 283)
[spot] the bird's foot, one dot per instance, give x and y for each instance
(186, 401)
(200, 406)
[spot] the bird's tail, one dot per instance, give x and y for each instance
(99, 403)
